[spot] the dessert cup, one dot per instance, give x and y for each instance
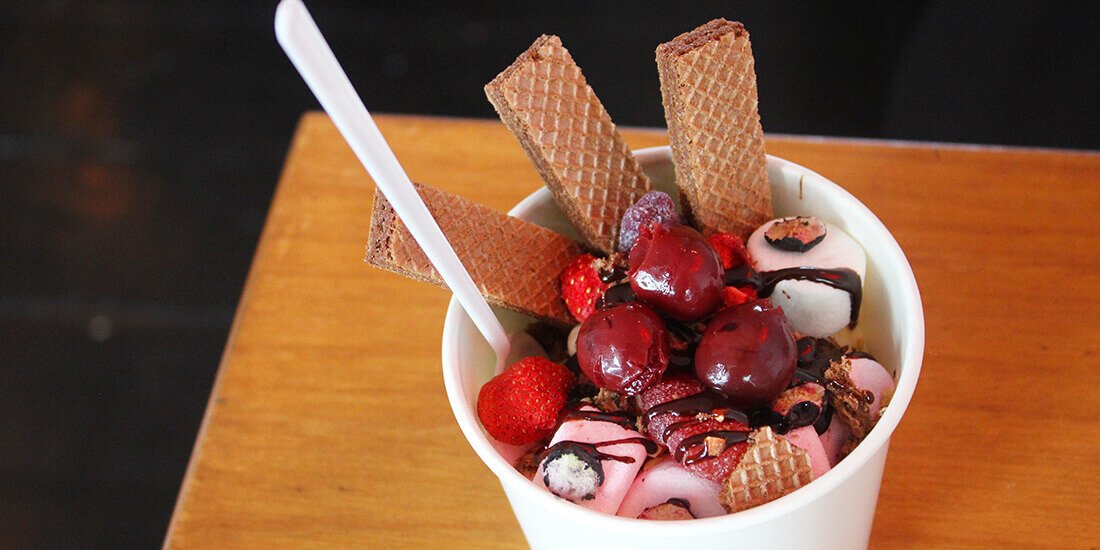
(835, 510)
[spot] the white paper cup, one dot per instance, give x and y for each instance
(834, 511)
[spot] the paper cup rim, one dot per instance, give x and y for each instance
(901, 281)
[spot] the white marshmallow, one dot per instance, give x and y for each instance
(812, 308)
(571, 341)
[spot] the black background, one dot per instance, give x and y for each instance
(140, 142)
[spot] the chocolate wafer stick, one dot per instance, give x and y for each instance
(709, 92)
(545, 101)
(514, 263)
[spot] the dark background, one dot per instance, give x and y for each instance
(140, 143)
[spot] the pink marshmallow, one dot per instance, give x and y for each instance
(510, 453)
(807, 439)
(670, 480)
(618, 476)
(868, 375)
(834, 439)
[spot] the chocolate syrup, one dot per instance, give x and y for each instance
(684, 339)
(615, 295)
(731, 437)
(764, 282)
(682, 331)
(743, 275)
(805, 413)
(845, 279)
(623, 419)
(782, 424)
(676, 426)
(616, 273)
(706, 402)
(593, 448)
(823, 421)
(814, 357)
(679, 502)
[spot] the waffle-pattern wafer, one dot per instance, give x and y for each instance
(545, 101)
(709, 92)
(770, 468)
(514, 263)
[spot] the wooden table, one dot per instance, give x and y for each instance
(328, 424)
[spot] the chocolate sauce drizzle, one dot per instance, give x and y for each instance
(619, 293)
(708, 402)
(805, 413)
(683, 341)
(814, 357)
(764, 282)
(698, 441)
(623, 419)
(593, 449)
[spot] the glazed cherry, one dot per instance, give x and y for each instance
(676, 270)
(623, 348)
(747, 353)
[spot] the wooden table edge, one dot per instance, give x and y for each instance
(200, 437)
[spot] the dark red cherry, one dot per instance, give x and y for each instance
(677, 271)
(623, 348)
(747, 353)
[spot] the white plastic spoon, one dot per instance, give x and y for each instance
(302, 40)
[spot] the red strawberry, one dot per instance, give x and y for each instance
(716, 468)
(732, 296)
(676, 387)
(731, 250)
(581, 286)
(521, 404)
(667, 389)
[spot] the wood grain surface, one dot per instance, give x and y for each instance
(329, 426)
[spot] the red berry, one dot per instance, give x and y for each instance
(679, 386)
(623, 348)
(731, 250)
(676, 271)
(581, 286)
(717, 468)
(521, 404)
(747, 353)
(732, 296)
(669, 388)
(653, 207)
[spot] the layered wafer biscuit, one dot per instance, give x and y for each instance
(770, 468)
(709, 92)
(514, 263)
(545, 101)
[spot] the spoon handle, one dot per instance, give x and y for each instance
(302, 40)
